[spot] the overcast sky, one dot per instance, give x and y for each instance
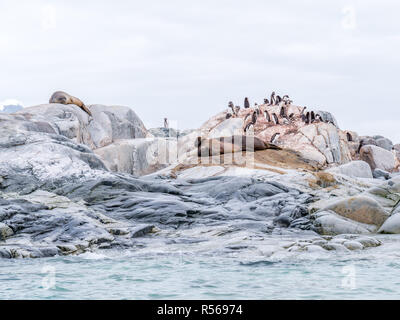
(186, 59)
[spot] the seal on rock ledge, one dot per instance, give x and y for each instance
(217, 146)
(65, 98)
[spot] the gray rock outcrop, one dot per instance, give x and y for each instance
(357, 169)
(378, 141)
(57, 196)
(377, 157)
(109, 123)
(67, 186)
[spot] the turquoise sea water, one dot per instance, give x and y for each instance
(370, 274)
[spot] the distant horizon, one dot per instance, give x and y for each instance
(186, 61)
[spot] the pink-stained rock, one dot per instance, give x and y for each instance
(320, 141)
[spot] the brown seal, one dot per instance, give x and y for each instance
(65, 98)
(223, 145)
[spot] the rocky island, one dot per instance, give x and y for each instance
(71, 183)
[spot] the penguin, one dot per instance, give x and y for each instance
(307, 117)
(248, 127)
(349, 137)
(312, 117)
(266, 114)
(246, 103)
(230, 105)
(237, 109)
(287, 100)
(228, 115)
(254, 117)
(282, 113)
(198, 145)
(275, 137)
(266, 101)
(252, 122)
(275, 118)
(272, 101)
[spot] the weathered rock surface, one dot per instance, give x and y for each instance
(357, 169)
(31, 160)
(109, 123)
(114, 132)
(227, 128)
(378, 141)
(392, 224)
(330, 223)
(342, 243)
(377, 157)
(361, 209)
(139, 156)
(381, 174)
(364, 203)
(112, 212)
(5, 231)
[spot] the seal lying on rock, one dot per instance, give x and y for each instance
(222, 145)
(65, 98)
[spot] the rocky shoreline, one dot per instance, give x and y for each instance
(70, 183)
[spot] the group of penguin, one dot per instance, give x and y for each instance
(307, 117)
(274, 100)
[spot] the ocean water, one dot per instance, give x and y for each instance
(368, 274)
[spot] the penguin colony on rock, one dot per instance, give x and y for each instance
(275, 100)
(283, 117)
